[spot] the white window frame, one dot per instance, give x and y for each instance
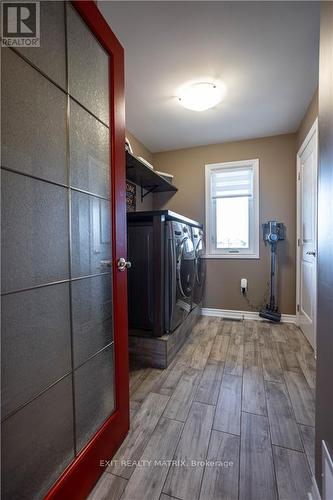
(241, 253)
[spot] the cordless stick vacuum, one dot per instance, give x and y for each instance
(272, 232)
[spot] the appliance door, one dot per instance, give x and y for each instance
(181, 282)
(185, 269)
(200, 272)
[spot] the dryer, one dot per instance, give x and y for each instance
(180, 273)
(199, 266)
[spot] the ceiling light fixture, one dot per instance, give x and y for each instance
(201, 96)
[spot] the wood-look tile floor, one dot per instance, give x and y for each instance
(231, 418)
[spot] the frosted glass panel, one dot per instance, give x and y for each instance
(38, 443)
(88, 67)
(91, 235)
(50, 57)
(94, 396)
(35, 343)
(33, 119)
(89, 152)
(92, 316)
(34, 232)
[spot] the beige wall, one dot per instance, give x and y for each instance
(277, 201)
(308, 120)
(140, 150)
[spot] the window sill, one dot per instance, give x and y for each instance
(231, 256)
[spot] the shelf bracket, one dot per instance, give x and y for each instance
(148, 191)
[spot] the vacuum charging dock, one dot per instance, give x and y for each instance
(273, 232)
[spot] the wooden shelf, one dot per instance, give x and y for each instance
(148, 179)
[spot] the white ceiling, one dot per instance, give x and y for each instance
(265, 52)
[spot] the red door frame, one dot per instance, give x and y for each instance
(80, 476)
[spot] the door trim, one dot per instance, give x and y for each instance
(81, 475)
(312, 132)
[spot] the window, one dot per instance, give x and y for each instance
(232, 209)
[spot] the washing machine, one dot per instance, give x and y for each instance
(199, 266)
(180, 273)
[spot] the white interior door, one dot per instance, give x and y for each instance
(307, 160)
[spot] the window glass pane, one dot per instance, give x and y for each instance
(232, 222)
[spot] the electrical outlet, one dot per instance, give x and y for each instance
(243, 285)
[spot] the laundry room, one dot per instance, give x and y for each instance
(222, 273)
(166, 251)
(193, 158)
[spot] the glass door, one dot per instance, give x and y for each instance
(64, 324)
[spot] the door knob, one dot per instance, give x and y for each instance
(313, 253)
(123, 264)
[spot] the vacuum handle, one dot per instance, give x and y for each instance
(272, 294)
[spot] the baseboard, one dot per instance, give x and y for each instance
(232, 314)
